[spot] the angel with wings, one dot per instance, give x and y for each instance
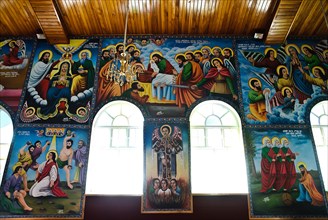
(167, 146)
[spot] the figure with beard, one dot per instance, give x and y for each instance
(25, 161)
(12, 190)
(307, 188)
(228, 55)
(133, 93)
(135, 57)
(270, 62)
(105, 58)
(163, 65)
(83, 74)
(268, 165)
(107, 86)
(281, 173)
(80, 156)
(40, 74)
(256, 98)
(38, 150)
(199, 58)
(191, 74)
(59, 88)
(206, 64)
(65, 158)
(320, 78)
(289, 162)
(12, 59)
(47, 181)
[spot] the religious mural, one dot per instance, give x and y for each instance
(167, 75)
(284, 178)
(279, 82)
(15, 56)
(46, 172)
(167, 168)
(60, 84)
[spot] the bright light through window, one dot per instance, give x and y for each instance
(319, 122)
(217, 155)
(116, 151)
(6, 134)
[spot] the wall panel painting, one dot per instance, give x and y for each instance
(15, 56)
(60, 84)
(280, 81)
(45, 173)
(283, 174)
(167, 169)
(167, 75)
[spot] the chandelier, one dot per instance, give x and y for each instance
(120, 70)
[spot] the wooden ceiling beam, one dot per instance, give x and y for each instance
(283, 20)
(46, 12)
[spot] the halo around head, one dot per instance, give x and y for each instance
(301, 163)
(179, 54)
(206, 48)
(155, 52)
(264, 139)
(135, 67)
(216, 48)
(168, 126)
(293, 46)
(304, 46)
(85, 51)
(11, 43)
(319, 68)
(227, 48)
(283, 90)
(46, 51)
(218, 59)
(283, 139)
(52, 151)
(279, 67)
(274, 139)
(324, 54)
(251, 79)
(197, 51)
(109, 47)
(270, 48)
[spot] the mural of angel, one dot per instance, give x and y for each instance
(167, 146)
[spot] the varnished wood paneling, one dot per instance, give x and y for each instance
(164, 17)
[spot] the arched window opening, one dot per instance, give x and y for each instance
(6, 135)
(116, 151)
(217, 154)
(319, 123)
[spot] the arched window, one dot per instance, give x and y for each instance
(6, 135)
(217, 154)
(319, 123)
(116, 151)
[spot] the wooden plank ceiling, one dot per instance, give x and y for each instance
(61, 19)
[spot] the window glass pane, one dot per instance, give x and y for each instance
(324, 120)
(318, 138)
(197, 120)
(104, 120)
(121, 156)
(319, 122)
(101, 137)
(119, 137)
(197, 137)
(230, 139)
(212, 120)
(229, 120)
(209, 164)
(6, 134)
(214, 137)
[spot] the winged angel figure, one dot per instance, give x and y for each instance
(167, 146)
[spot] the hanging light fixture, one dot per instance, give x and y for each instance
(120, 70)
